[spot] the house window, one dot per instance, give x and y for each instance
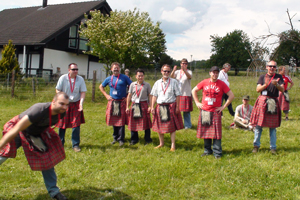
(73, 35)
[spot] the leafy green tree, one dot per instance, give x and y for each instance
(9, 60)
(165, 59)
(129, 37)
(288, 49)
(232, 48)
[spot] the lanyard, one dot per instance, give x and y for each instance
(50, 117)
(72, 87)
(243, 111)
(270, 80)
(224, 74)
(111, 81)
(138, 92)
(181, 74)
(166, 87)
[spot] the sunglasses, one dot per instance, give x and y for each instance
(74, 69)
(184, 63)
(166, 71)
(273, 66)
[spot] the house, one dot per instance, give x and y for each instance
(47, 40)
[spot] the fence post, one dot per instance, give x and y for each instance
(33, 86)
(94, 84)
(7, 86)
(13, 83)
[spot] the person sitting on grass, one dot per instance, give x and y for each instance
(242, 114)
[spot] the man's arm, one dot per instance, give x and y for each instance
(149, 102)
(10, 135)
(177, 104)
(154, 98)
(82, 97)
(229, 100)
(195, 97)
(172, 75)
(108, 97)
(188, 75)
(128, 102)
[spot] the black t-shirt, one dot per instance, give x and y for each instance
(38, 115)
(271, 89)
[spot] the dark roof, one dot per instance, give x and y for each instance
(37, 25)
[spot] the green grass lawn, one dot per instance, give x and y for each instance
(103, 171)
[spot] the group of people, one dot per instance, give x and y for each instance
(130, 103)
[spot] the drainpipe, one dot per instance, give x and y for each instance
(24, 59)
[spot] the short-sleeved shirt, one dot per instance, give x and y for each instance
(212, 92)
(120, 87)
(143, 93)
(223, 76)
(184, 82)
(286, 80)
(38, 115)
(166, 92)
(243, 111)
(64, 85)
(272, 91)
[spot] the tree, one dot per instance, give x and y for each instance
(9, 60)
(232, 48)
(130, 37)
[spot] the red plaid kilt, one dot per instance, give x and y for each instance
(261, 118)
(213, 131)
(37, 161)
(116, 120)
(284, 105)
(73, 117)
(186, 104)
(143, 123)
(174, 124)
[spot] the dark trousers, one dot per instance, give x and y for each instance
(119, 133)
(217, 148)
(230, 109)
(135, 136)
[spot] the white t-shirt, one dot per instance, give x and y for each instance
(184, 82)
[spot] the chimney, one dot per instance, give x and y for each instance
(44, 3)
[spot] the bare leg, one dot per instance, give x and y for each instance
(161, 139)
(173, 140)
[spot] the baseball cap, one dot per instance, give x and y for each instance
(214, 68)
(246, 97)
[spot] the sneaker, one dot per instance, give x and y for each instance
(217, 157)
(76, 149)
(132, 143)
(286, 119)
(255, 149)
(121, 143)
(273, 151)
(114, 142)
(205, 154)
(60, 196)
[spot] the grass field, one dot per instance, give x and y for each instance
(103, 171)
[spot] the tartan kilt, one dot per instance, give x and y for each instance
(174, 124)
(186, 104)
(140, 124)
(213, 131)
(259, 116)
(116, 120)
(73, 117)
(284, 105)
(37, 161)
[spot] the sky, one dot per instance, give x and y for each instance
(188, 24)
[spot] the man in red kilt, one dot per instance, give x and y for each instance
(116, 106)
(35, 125)
(74, 86)
(210, 120)
(139, 112)
(184, 77)
(266, 111)
(166, 114)
(284, 99)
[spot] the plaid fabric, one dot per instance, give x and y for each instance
(37, 161)
(116, 120)
(261, 118)
(284, 105)
(186, 104)
(174, 124)
(214, 131)
(143, 123)
(73, 117)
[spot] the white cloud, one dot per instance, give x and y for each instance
(179, 15)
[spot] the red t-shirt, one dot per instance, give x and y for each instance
(286, 80)
(212, 92)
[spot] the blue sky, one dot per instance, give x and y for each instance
(188, 24)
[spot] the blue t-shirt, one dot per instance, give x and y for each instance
(122, 84)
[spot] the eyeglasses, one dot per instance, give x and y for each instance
(166, 71)
(273, 66)
(184, 63)
(75, 69)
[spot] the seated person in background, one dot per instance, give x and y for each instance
(243, 113)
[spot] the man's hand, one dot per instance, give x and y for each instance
(199, 105)
(174, 68)
(127, 110)
(220, 109)
(80, 108)
(177, 110)
(149, 110)
(275, 82)
(108, 97)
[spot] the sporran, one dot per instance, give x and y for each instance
(206, 118)
(37, 143)
(136, 110)
(271, 106)
(164, 113)
(116, 108)
(286, 96)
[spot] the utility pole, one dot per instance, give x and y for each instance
(191, 62)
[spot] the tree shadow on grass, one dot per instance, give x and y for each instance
(90, 193)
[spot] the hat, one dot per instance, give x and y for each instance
(214, 68)
(246, 97)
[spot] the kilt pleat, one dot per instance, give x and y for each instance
(140, 124)
(73, 117)
(259, 116)
(116, 120)
(174, 124)
(284, 105)
(37, 161)
(186, 104)
(213, 131)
